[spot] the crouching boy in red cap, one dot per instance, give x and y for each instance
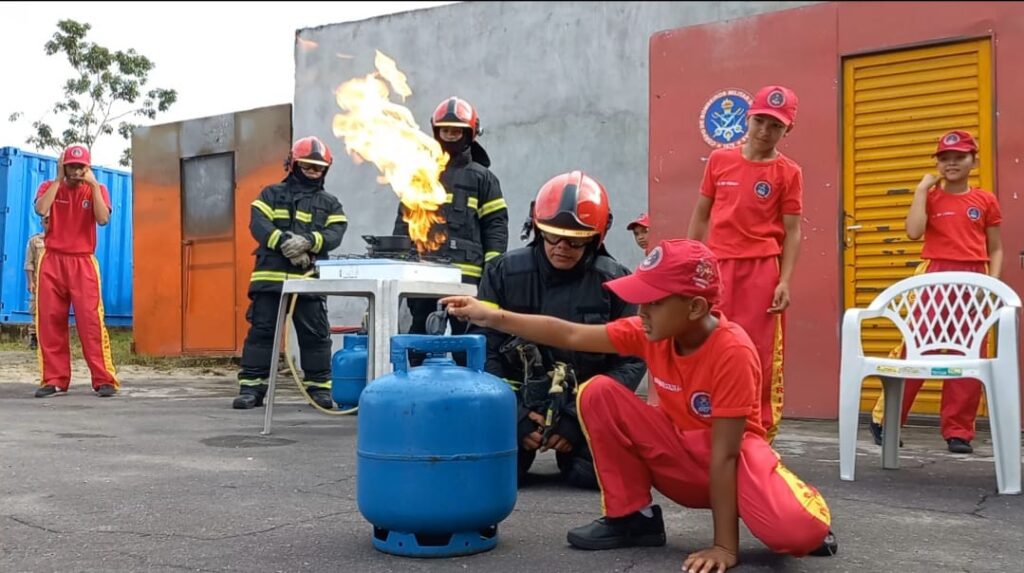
(704, 446)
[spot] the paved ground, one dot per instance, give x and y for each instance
(166, 477)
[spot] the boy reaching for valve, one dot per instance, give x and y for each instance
(703, 446)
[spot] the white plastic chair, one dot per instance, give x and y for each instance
(925, 309)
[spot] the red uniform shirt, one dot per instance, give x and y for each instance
(72, 222)
(750, 198)
(957, 223)
(722, 379)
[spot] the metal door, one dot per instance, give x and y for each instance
(208, 253)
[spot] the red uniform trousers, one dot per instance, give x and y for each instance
(748, 286)
(71, 280)
(636, 446)
(960, 396)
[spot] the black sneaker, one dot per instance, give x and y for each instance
(33, 342)
(878, 433)
(959, 446)
(45, 391)
(613, 532)
(106, 390)
(829, 547)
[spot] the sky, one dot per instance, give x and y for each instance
(216, 62)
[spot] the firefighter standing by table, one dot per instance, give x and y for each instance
(295, 223)
(475, 212)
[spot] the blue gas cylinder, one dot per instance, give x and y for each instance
(348, 371)
(436, 464)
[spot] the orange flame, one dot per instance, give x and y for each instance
(377, 130)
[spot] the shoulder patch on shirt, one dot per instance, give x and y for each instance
(973, 213)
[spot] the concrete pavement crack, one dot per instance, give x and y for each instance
(552, 512)
(337, 481)
(27, 523)
(913, 508)
(144, 534)
(151, 564)
(323, 494)
(978, 508)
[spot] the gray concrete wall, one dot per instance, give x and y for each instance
(559, 86)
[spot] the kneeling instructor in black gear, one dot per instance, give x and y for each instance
(295, 223)
(558, 274)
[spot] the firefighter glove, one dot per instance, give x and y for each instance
(302, 260)
(295, 245)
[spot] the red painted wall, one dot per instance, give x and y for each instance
(803, 49)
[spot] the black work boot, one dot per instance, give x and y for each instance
(322, 397)
(613, 532)
(249, 397)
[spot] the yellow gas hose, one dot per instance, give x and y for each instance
(291, 362)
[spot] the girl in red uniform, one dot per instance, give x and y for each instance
(704, 445)
(960, 225)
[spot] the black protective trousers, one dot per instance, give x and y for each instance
(311, 327)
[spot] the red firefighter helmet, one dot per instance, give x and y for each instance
(456, 112)
(572, 204)
(310, 150)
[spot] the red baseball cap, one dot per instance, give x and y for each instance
(77, 155)
(957, 140)
(777, 101)
(678, 266)
(642, 220)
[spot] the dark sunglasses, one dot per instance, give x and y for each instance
(576, 243)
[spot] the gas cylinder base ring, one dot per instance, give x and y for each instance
(434, 545)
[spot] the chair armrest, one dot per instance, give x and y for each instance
(1007, 340)
(851, 333)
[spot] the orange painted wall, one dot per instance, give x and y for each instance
(157, 250)
(260, 140)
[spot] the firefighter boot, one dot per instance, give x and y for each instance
(322, 397)
(249, 397)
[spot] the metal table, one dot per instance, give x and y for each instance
(383, 295)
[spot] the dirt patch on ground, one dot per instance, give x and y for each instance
(23, 367)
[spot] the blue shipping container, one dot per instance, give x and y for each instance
(21, 174)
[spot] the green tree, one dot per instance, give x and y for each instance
(104, 94)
